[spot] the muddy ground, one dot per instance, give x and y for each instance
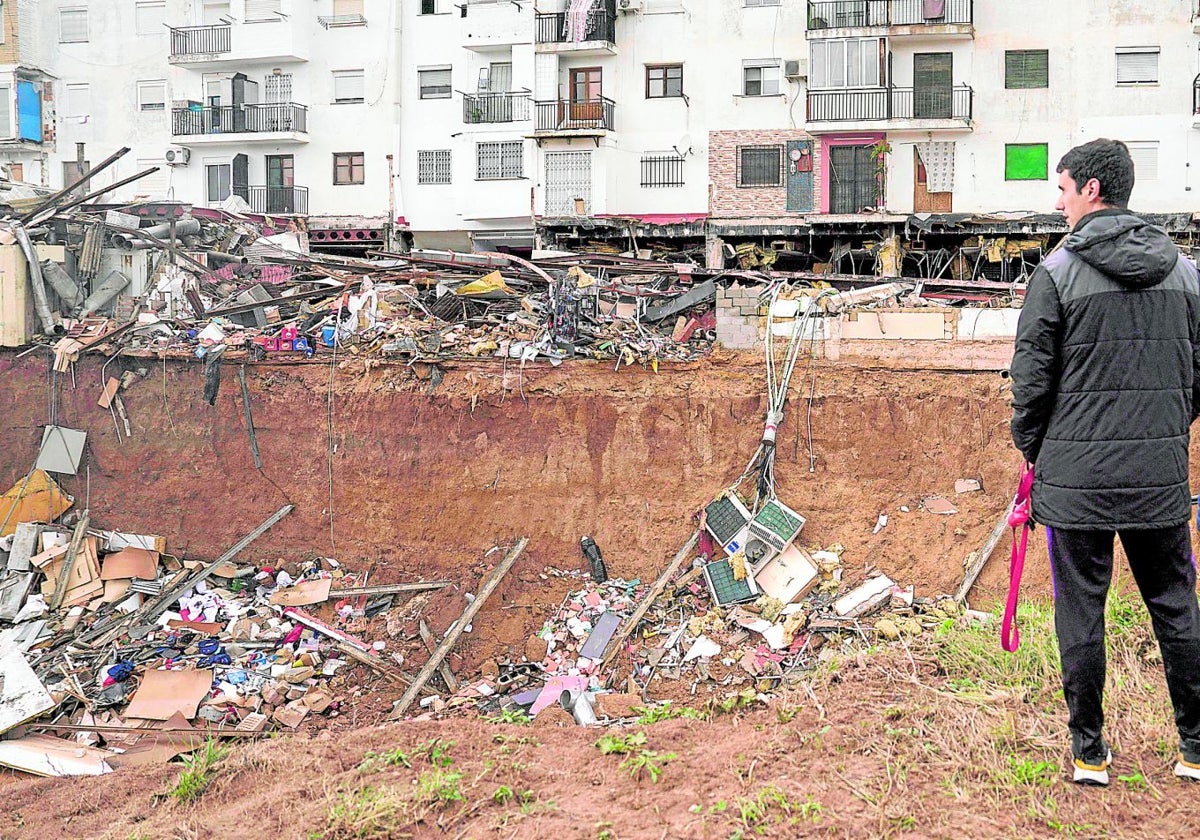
(430, 469)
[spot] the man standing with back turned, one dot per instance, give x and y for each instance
(1106, 383)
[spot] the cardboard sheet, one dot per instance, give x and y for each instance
(303, 593)
(46, 755)
(130, 563)
(165, 693)
(22, 695)
(41, 501)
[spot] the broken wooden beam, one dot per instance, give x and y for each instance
(64, 574)
(249, 418)
(443, 668)
(651, 597)
(976, 566)
(387, 589)
(457, 630)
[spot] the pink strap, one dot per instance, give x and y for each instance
(1018, 517)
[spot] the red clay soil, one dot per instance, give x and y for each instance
(427, 478)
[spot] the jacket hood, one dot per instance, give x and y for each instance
(1123, 247)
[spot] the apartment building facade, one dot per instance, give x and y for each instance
(513, 122)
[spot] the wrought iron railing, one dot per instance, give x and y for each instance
(266, 199)
(895, 103)
(600, 24)
(835, 14)
(201, 40)
(239, 119)
(576, 114)
(495, 107)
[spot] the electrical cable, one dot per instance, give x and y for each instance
(329, 420)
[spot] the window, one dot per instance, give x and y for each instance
(1137, 65)
(1145, 159)
(79, 96)
(750, 3)
(1026, 161)
(662, 169)
(664, 81)
(347, 8)
(72, 26)
(219, 177)
(496, 161)
(429, 7)
(152, 95)
(348, 168)
(6, 126)
(349, 87)
(258, 10)
(433, 166)
(760, 166)
(435, 83)
(1026, 69)
(760, 77)
(843, 64)
(150, 17)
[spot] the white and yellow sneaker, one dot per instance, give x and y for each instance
(1096, 774)
(1186, 769)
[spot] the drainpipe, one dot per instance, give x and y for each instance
(40, 302)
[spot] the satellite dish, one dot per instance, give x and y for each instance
(684, 146)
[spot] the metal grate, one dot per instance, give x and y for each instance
(662, 170)
(724, 518)
(776, 524)
(725, 588)
(495, 161)
(759, 166)
(433, 166)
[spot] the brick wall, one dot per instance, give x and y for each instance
(9, 53)
(726, 198)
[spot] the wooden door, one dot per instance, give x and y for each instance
(586, 88)
(923, 200)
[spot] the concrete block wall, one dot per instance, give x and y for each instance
(740, 316)
(726, 198)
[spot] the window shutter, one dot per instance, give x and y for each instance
(1145, 160)
(149, 17)
(6, 129)
(345, 8)
(1137, 67)
(78, 100)
(262, 9)
(1026, 69)
(348, 85)
(73, 26)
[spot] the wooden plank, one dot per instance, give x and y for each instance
(981, 558)
(388, 588)
(471, 611)
(249, 418)
(60, 589)
(651, 597)
(443, 669)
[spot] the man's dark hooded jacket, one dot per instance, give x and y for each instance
(1106, 377)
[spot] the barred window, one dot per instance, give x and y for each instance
(1026, 69)
(435, 83)
(760, 166)
(348, 168)
(495, 161)
(433, 166)
(662, 169)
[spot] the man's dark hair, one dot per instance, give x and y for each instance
(1107, 161)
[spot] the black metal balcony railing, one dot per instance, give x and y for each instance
(833, 14)
(895, 103)
(495, 108)
(201, 40)
(239, 119)
(576, 114)
(600, 24)
(275, 199)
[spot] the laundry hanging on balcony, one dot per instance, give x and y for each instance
(933, 9)
(938, 159)
(577, 21)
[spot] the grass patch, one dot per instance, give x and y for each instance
(621, 744)
(198, 772)
(392, 758)
(666, 711)
(766, 810)
(516, 717)
(369, 813)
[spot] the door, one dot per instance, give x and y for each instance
(586, 88)
(241, 177)
(933, 85)
(277, 108)
(855, 183)
(923, 200)
(280, 180)
(568, 183)
(499, 83)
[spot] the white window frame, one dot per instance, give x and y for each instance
(74, 90)
(225, 162)
(831, 65)
(434, 167)
(1146, 156)
(501, 160)
(754, 3)
(341, 78)
(8, 125)
(758, 67)
(276, 13)
(1139, 51)
(143, 5)
(66, 11)
(154, 106)
(422, 82)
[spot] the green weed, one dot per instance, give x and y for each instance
(516, 717)
(366, 814)
(198, 772)
(621, 744)
(1034, 773)
(647, 763)
(665, 711)
(392, 758)
(439, 787)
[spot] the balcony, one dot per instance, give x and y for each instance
(494, 23)
(216, 47)
(275, 123)
(293, 200)
(897, 18)
(1196, 102)
(890, 108)
(562, 32)
(575, 117)
(495, 108)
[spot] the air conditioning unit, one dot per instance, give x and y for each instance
(629, 5)
(796, 68)
(177, 156)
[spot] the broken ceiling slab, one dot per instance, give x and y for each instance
(61, 450)
(35, 498)
(22, 695)
(865, 598)
(46, 755)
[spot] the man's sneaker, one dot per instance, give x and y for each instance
(1188, 767)
(1096, 774)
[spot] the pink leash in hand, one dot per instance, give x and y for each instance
(1018, 517)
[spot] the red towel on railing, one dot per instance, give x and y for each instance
(933, 9)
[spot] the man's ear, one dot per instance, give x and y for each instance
(1091, 190)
